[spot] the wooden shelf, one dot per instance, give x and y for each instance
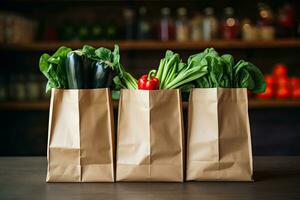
(157, 45)
(11, 105)
(272, 103)
(253, 103)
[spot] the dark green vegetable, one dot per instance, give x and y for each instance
(208, 70)
(247, 75)
(75, 70)
(223, 73)
(102, 75)
(81, 69)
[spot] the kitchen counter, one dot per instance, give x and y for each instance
(275, 178)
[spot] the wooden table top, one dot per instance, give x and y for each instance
(275, 178)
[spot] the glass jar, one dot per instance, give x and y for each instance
(249, 31)
(210, 24)
(143, 24)
(229, 25)
(33, 88)
(129, 23)
(17, 87)
(182, 26)
(3, 89)
(197, 27)
(166, 25)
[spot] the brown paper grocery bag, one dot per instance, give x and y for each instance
(219, 142)
(150, 136)
(80, 138)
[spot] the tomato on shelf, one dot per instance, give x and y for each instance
(270, 80)
(296, 93)
(283, 92)
(283, 81)
(269, 93)
(280, 70)
(295, 82)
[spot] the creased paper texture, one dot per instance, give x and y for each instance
(150, 136)
(80, 136)
(219, 141)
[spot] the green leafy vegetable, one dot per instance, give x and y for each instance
(247, 75)
(53, 67)
(123, 79)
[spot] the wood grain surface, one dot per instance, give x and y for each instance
(275, 178)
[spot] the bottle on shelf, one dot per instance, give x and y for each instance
(229, 24)
(197, 27)
(210, 24)
(286, 21)
(68, 31)
(249, 31)
(17, 89)
(111, 31)
(182, 25)
(3, 88)
(166, 25)
(97, 32)
(130, 28)
(33, 88)
(144, 26)
(83, 31)
(265, 23)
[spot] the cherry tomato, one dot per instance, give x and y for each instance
(283, 92)
(269, 93)
(282, 81)
(295, 82)
(269, 79)
(296, 93)
(280, 70)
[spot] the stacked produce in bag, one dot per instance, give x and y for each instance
(150, 145)
(85, 68)
(81, 132)
(206, 70)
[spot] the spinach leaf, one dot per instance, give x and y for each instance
(247, 75)
(53, 67)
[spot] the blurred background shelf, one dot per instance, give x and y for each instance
(158, 45)
(44, 106)
(265, 33)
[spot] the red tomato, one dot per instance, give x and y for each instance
(269, 92)
(295, 82)
(283, 92)
(269, 79)
(280, 70)
(296, 93)
(282, 81)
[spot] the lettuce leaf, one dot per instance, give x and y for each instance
(53, 67)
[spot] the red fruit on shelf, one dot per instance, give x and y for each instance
(280, 70)
(296, 93)
(282, 81)
(283, 92)
(270, 80)
(295, 82)
(269, 93)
